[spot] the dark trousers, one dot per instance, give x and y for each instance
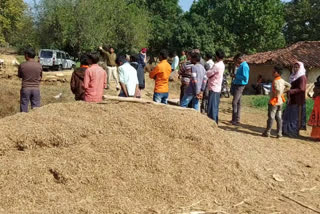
(213, 106)
(183, 88)
(29, 94)
(236, 102)
(274, 113)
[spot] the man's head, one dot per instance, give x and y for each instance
(111, 50)
(133, 58)
(29, 54)
(93, 58)
(195, 58)
(189, 53)
(172, 54)
(121, 60)
(277, 71)
(163, 55)
(220, 55)
(196, 51)
(238, 59)
(208, 56)
(183, 53)
(84, 60)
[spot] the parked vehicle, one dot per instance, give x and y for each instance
(55, 60)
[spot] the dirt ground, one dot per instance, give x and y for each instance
(121, 157)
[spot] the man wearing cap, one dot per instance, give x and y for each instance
(142, 57)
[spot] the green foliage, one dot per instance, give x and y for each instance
(303, 20)
(165, 16)
(83, 25)
(261, 102)
(235, 25)
(11, 18)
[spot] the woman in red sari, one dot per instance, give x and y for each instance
(314, 120)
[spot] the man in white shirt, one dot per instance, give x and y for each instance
(209, 62)
(175, 62)
(128, 78)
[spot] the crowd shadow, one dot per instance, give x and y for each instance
(242, 128)
(256, 131)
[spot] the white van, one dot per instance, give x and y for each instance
(55, 60)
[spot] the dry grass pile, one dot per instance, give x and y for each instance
(120, 157)
(115, 158)
(10, 95)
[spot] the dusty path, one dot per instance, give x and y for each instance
(292, 164)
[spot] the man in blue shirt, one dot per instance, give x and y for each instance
(239, 83)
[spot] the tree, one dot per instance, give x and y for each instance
(235, 25)
(11, 14)
(302, 20)
(25, 35)
(83, 25)
(165, 18)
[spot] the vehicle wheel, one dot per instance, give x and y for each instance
(60, 68)
(73, 67)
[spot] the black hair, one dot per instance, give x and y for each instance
(196, 57)
(121, 59)
(133, 58)
(317, 83)
(163, 54)
(84, 60)
(94, 57)
(220, 54)
(30, 53)
(238, 56)
(209, 56)
(278, 69)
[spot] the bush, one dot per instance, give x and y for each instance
(261, 102)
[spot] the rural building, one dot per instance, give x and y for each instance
(307, 52)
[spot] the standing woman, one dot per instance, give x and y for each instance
(294, 116)
(314, 120)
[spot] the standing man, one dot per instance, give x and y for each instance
(209, 62)
(110, 58)
(142, 57)
(140, 71)
(94, 80)
(215, 77)
(128, 78)
(185, 76)
(77, 79)
(239, 83)
(175, 62)
(279, 86)
(197, 84)
(183, 58)
(161, 74)
(31, 73)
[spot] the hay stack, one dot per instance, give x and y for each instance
(121, 157)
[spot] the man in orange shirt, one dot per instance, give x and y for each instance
(161, 75)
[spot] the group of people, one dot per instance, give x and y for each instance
(201, 81)
(294, 116)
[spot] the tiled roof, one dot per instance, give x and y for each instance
(307, 52)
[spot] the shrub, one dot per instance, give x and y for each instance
(261, 102)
